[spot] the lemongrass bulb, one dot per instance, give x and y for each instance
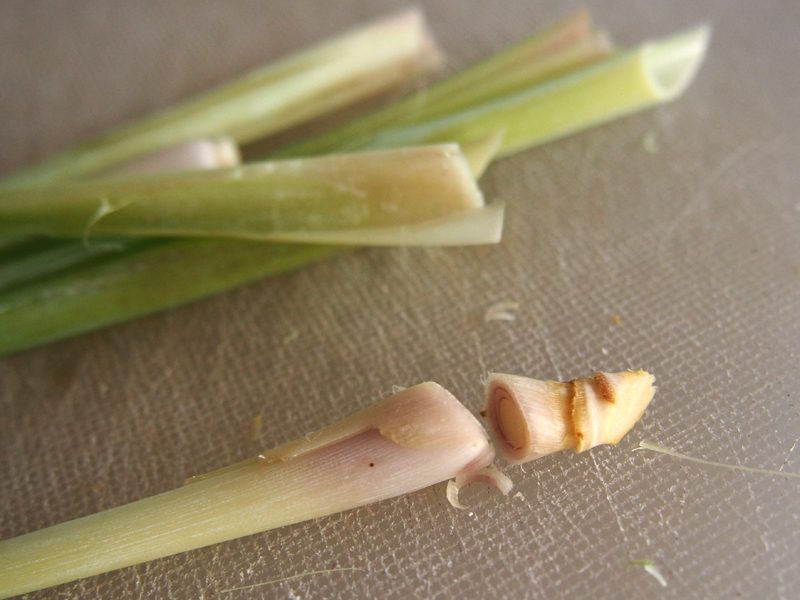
(531, 418)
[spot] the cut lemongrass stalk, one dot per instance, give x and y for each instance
(266, 201)
(34, 260)
(655, 73)
(318, 81)
(530, 418)
(420, 437)
(566, 46)
(557, 59)
(470, 228)
(151, 277)
(24, 260)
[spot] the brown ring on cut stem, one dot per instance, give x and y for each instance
(530, 418)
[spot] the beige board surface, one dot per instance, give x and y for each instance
(669, 241)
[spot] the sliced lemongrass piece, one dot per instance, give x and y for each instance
(651, 568)
(217, 153)
(562, 56)
(530, 418)
(480, 153)
(655, 73)
(306, 85)
(420, 437)
(366, 190)
(567, 45)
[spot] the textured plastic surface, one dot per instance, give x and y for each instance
(668, 241)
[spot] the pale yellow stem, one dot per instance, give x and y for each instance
(412, 440)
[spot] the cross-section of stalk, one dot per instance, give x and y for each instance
(530, 418)
(410, 441)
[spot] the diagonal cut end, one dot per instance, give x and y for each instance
(671, 64)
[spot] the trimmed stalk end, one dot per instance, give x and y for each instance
(672, 63)
(530, 418)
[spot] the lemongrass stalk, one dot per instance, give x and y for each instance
(420, 437)
(24, 260)
(341, 192)
(151, 277)
(296, 89)
(563, 47)
(530, 418)
(39, 258)
(655, 73)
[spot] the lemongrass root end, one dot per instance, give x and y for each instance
(530, 418)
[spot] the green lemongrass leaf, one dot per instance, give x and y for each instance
(145, 279)
(36, 259)
(299, 88)
(271, 200)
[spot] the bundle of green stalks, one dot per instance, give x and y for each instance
(159, 213)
